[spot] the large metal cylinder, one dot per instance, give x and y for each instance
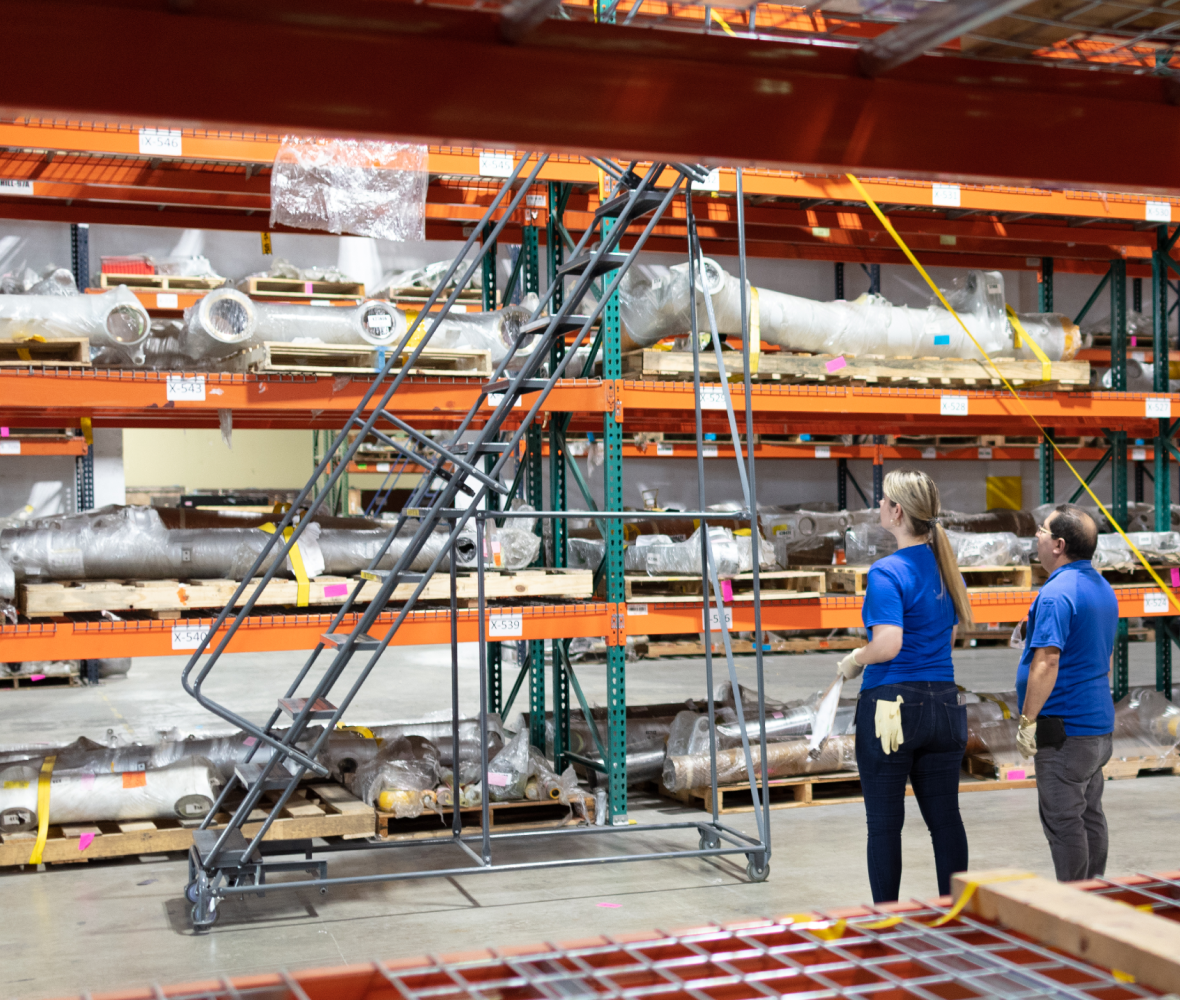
(115, 322)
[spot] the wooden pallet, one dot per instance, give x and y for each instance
(1135, 577)
(160, 282)
(314, 810)
(780, 366)
(296, 288)
(503, 817)
(47, 600)
(688, 648)
(774, 585)
(1116, 769)
(64, 353)
(853, 579)
(16, 682)
(346, 359)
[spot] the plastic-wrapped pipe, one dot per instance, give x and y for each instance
(653, 304)
(184, 791)
(115, 322)
(783, 759)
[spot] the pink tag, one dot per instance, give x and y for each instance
(336, 590)
(727, 590)
(1016, 774)
(609, 906)
(497, 779)
(307, 287)
(1176, 576)
(36, 677)
(836, 364)
(249, 741)
(87, 780)
(3, 432)
(85, 841)
(1133, 339)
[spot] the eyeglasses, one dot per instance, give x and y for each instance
(1042, 530)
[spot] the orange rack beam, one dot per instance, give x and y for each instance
(13, 447)
(66, 639)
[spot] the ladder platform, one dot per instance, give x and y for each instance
(231, 855)
(524, 385)
(567, 325)
(338, 639)
(649, 201)
(250, 774)
(586, 263)
(381, 575)
(322, 709)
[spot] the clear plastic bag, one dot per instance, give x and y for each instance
(684, 558)
(509, 770)
(784, 758)
(407, 764)
(866, 543)
(1160, 547)
(766, 558)
(366, 187)
(635, 555)
(995, 548)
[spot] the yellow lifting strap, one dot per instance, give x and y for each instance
(23, 352)
(1022, 335)
(42, 808)
(303, 588)
(755, 330)
(1015, 395)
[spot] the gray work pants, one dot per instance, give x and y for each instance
(1069, 791)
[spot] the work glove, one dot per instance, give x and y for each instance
(1026, 737)
(888, 721)
(848, 668)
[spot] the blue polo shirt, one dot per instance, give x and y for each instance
(1077, 612)
(905, 589)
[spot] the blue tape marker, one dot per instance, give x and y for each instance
(942, 338)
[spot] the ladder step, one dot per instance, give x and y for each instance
(649, 201)
(232, 855)
(338, 639)
(580, 265)
(381, 575)
(524, 385)
(567, 325)
(320, 710)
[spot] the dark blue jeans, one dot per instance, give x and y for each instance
(934, 728)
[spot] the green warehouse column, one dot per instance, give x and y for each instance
(1162, 470)
(1118, 444)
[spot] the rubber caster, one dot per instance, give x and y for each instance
(190, 892)
(709, 841)
(200, 925)
(755, 873)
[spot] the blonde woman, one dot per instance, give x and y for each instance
(909, 723)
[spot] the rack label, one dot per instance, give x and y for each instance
(929, 453)
(505, 626)
(709, 450)
(496, 398)
(493, 164)
(9, 447)
(191, 636)
(711, 183)
(1155, 604)
(823, 451)
(186, 388)
(666, 450)
(1159, 408)
(636, 609)
(160, 141)
(1157, 211)
(16, 187)
(712, 397)
(1138, 454)
(715, 619)
(952, 406)
(167, 300)
(945, 194)
(984, 453)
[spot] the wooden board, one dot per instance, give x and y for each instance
(296, 288)
(64, 353)
(503, 817)
(1116, 769)
(774, 584)
(25, 682)
(852, 579)
(803, 644)
(160, 282)
(46, 600)
(1091, 927)
(780, 366)
(1136, 576)
(314, 810)
(343, 359)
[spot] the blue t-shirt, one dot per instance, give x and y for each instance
(906, 589)
(1077, 612)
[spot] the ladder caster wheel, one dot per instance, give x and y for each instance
(709, 841)
(190, 891)
(203, 925)
(754, 872)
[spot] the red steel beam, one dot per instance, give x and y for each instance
(668, 95)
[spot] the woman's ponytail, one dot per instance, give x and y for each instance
(917, 495)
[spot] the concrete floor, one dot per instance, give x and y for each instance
(109, 924)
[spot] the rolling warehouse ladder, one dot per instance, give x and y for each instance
(223, 862)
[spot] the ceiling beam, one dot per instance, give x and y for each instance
(935, 26)
(581, 87)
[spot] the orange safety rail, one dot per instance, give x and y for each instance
(915, 951)
(82, 636)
